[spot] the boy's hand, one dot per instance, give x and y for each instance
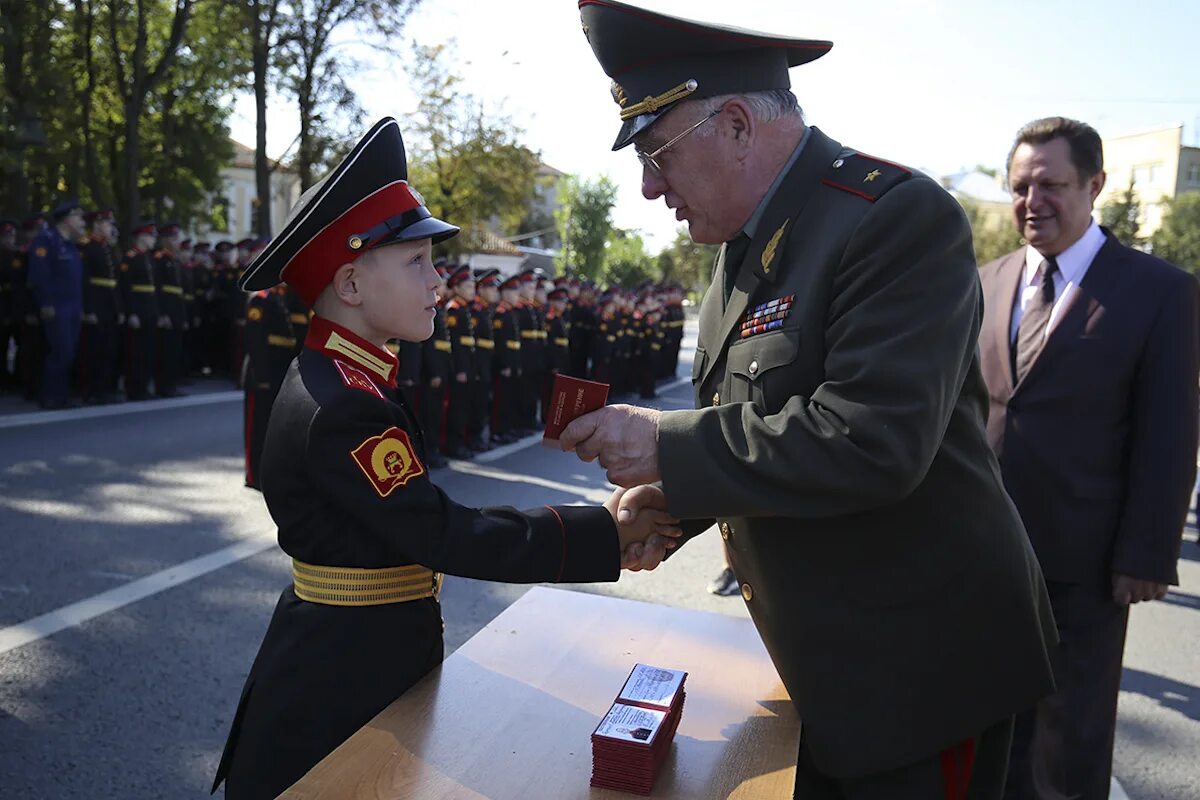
(644, 529)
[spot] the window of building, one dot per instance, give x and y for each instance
(1141, 176)
(1193, 175)
(1154, 174)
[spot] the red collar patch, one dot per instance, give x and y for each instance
(356, 379)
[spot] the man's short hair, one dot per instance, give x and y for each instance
(1087, 151)
(767, 106)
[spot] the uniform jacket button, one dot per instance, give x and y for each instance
(753, 367)
(725, 531)
(747, 592)
(716, 398)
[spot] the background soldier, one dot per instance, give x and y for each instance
(187, 277)
(202, 283)
(299, 316)
(487, 294)
(224, 303)
(435, 371)
(30, 339)
(531, 352)
(270, 345)
(102, 315)
(673, 321)
(135, 279)
(172, 311)
(10, 267)
(506, 332)
(408, 376)
(558, 345)
(55, 278)
(604, 342)
(461, 285)
(582, 328)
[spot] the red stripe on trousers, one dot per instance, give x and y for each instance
(957, 763)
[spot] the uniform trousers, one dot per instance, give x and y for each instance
(460, 413)
(433, 415)
(170, 361)
(1063, 747)
(97, 356)
(61, 338)
(971, 770)
(139, 361)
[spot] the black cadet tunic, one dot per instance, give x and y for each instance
(344, 478)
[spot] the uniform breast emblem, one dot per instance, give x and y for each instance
(768, 254)
(388, 460)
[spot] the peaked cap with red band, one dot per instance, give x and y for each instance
(363, 204)
(656, 60)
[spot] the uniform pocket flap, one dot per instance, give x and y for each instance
(698, 364)
(755, 356)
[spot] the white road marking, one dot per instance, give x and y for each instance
(75, 614)
(23, 420)
(470, 468)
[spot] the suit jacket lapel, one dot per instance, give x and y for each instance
(1003, 297)
(764, 259)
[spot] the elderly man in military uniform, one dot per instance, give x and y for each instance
(839, 433)
(102, 315)
(55, 278)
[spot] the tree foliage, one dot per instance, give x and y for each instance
(687, 263)
(469, 164)
(1178, 239)
(992, 237)
(584, 223)
(1123, 216)
(626, 262)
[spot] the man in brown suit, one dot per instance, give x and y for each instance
(1090, 353)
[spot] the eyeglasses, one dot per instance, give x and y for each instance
(649, 160)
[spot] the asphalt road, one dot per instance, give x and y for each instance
(138, 576)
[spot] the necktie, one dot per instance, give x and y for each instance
(735, 251)
(1031, 332)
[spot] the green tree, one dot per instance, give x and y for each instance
(1178, 239)
(1123, 216)
(992, 237)
(584, 223)
(687, 263)
(626, 262)
(469, 165)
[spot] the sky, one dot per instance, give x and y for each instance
(940, 85)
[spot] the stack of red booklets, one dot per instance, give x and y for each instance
(631, 742)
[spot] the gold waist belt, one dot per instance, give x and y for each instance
(485, 344)
(145, 288)
(442, 345)
(513, 344)
(280, 341)
(466, 341)
(529, 334)
(299, 319)
(352, 586)
(563, 342)
(107, 283)
(173, 289)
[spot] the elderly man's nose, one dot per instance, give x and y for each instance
(653, 184)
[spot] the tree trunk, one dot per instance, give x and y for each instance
(262, 168)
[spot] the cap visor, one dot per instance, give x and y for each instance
(632, 127)
(428, 228)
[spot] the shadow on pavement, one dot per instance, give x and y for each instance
(1172, 694)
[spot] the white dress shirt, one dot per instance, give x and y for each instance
(1073, 265)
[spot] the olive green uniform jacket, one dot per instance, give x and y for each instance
(844, 457)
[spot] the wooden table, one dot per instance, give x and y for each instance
(509, 716)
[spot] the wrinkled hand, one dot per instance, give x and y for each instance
(1127, 590)
(645, 530)
(624, 438)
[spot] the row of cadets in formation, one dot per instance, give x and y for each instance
(484, 377)
(129, 324)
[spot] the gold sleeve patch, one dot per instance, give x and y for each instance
(452, 322)
(388, 460)
(40, 252)
(254, 314)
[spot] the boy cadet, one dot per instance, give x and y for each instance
(135, 277)
(506, 330)
(172, 310)
(344, 477)
(487, 294)
(838, 438)
(460, 283)
(102, 313)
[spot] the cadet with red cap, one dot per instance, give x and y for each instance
(99, 342)
(226, 305)
(172, 311)
(460, 283)
(135, 280)
(344, 476)
(487, 294)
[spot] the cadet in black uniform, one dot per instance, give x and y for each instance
(345, 479)
(172, 311)
(135, 279)
(460, 283)
(270, 346)
(531, 351)
(102, 314)
(10, 267)
(225, 302)
(506, 331)
(558, 346)
(435, 372)
(298, 315)
(202, 283)
(487, 294)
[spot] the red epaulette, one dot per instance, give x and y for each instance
(865, 176)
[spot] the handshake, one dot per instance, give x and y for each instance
(644, 528)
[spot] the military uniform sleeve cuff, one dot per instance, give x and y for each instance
(591, 551)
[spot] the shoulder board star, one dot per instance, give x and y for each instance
(865, 176)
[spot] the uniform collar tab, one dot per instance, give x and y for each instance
(337, 341)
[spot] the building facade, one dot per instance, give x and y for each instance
(235, 211)
(1160, 165)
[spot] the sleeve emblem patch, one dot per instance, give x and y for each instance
(388, 460)
(254, 314)
(40, 252)
(357, 379)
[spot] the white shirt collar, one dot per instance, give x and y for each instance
(1072, 262)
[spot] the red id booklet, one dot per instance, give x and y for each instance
(631, 742)
(571, 398)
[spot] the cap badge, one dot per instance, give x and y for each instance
(768, 254)
(618, 93)
(872, 175)
(355, 243)
(653, 103)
